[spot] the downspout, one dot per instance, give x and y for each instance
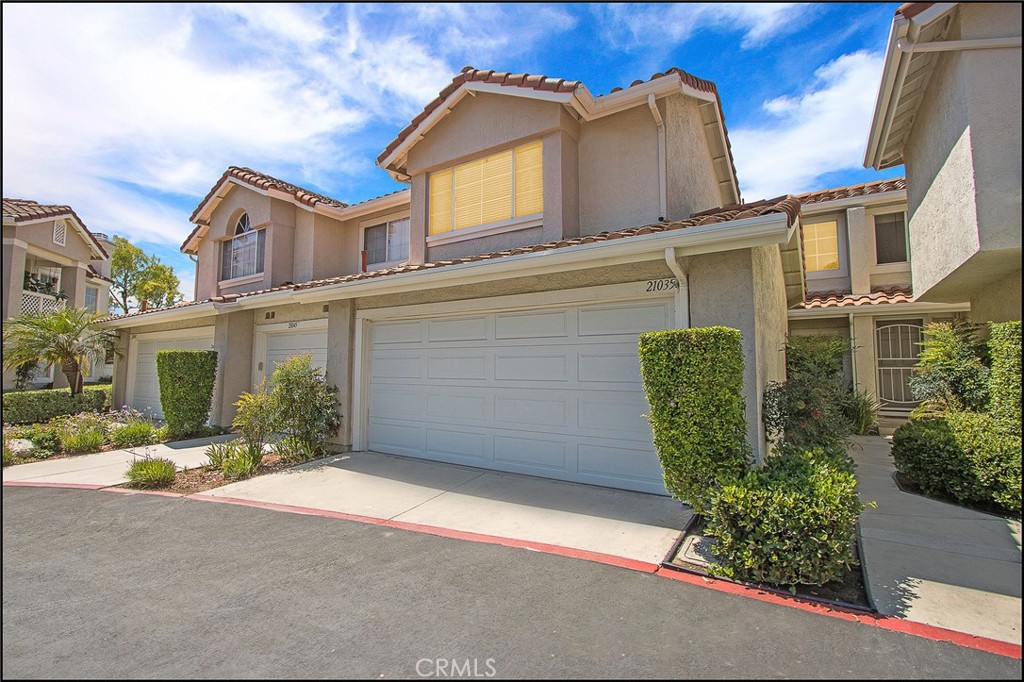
(683, 294)
(662, 180)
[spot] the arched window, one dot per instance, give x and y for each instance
(243, 253)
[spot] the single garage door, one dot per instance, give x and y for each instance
(554, 392)
(283, 345)
(145, 395)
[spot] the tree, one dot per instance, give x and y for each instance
(67, 337)
(140, 277)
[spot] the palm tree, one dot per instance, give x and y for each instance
(67, 337)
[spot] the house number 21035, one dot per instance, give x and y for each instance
(654, 285)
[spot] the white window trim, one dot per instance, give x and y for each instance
(377, 222)
(241, 280)
(478, 231)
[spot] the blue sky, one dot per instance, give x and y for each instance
(130, 113)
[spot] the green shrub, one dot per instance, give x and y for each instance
(217, 453)
(812, 408)
(134, 434)
(693, 379)
(967, 456)
(82, 442)
(186, 388)
(307, 409)
(29, 407)
(44, 437)
(862, 412)
(255, 420)
(951, 373)
(8, 455)
(791, 522)
(151, 473)
(239, 461)
(1005, 386)
(294, 449)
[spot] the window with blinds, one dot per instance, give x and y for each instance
(497, 188)
(821, 246)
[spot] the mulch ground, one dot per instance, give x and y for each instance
(208, 477)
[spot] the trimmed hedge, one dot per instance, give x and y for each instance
(970, 457)
(1004, 385)
(693, 379)
(186, 389)
(794, 521)
(30, 407)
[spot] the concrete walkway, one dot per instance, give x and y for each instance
(105, 469)
(616, 522)
(936, 563)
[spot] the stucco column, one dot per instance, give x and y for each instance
(861, 255)
(561, 186)
(864, 348)
(72, 283)
(14, 277)
(340, 344)
(418, 219)
(232, 339)
(119, 384)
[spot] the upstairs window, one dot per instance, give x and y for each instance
(91, 296)
(821, 246)
(243, 254)
(891, 238)
(387, 243)
(496, 189)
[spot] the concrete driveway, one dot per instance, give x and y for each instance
(630, 525)
(98, 585)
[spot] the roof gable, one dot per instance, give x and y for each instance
(26, 211)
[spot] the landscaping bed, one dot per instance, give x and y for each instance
(907, 485)
(847, 591)
(208, 477)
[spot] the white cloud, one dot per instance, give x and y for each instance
(803, 137)
(631, 27)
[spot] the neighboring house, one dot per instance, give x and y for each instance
(51, 260)
(949, 109)
(858, 272)
(488, 315)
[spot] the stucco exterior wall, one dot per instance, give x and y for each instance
(222, 225)
(769, 322)
(13, 275)
(340, 344)
(999, 302)
(41, 235)
(233, 340)
(303, 250)
(722, 293)
(618, 171)
(692, 184)
(335, 247)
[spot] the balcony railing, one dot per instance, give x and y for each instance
(33, 302)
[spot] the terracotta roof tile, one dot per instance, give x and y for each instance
(844, 299)
(23, 210)
(850, 191)
(787, 205)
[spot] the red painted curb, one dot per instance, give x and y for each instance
(41, 484)
(932, 632)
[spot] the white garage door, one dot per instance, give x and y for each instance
(145, 395)
(283, 345)
(553, 392)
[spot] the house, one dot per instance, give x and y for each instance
(858, 278)
(949, 109)
(488, 315)
(51, 260)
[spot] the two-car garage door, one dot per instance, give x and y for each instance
(554, 392)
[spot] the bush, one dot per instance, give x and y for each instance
(812, 408)
(217, 453)
(44, 437)
(83, 442)
(693, 379)
(293, 449)
(791, 522)
(307, 409)
(967, 456)
(862, 412)
(1005, 388)
(8, 455)
(29, 407)
(134, 434)
(240, 460)
(255, 420)
(951, 373)
(151, 473)
(186, 388)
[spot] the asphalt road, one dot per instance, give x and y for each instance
(99, 584)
